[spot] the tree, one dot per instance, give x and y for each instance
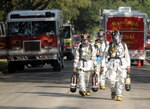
(5, 7)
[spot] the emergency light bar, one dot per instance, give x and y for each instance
(47, 14)
(124, 9)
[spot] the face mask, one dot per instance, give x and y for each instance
(117, 38)
(85, 42)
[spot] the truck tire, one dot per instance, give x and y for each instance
(69, 57)
(20, 66)
(142, 62)
(57, 67)
(12, 67)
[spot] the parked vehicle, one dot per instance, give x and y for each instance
(68, 30)
(34, 39)
(132, 24)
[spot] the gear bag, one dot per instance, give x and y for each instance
(94, 82)
(128, 83)
(74, 81)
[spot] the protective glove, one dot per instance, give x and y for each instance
(128, 70)
(74, 69)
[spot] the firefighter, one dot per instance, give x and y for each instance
(101, 43)
(84, 64)
(118, 65)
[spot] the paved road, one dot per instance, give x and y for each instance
(41, 88)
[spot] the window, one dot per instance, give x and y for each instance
(34, 28)
(66, 32)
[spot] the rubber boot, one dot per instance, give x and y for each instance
(113, 95)
(88, 93)
(102, 87)
(119, 98)
(82, 93)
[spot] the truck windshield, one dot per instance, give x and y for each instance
(66, 32)
(77, 39)
(33, 28)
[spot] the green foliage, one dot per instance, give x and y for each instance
(70, 7)
(3, 62)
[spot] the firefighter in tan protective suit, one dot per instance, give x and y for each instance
(118, 65)
(100, 45)
(84, 64)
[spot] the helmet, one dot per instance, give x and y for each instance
(116, 36)
(85, 39)
(101, 35)
(85, 36)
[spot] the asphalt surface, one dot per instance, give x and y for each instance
(41, 88)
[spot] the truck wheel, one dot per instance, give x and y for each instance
(21, 67)
(57, 67)
(11, 67)
(142, 62)
(69, 57)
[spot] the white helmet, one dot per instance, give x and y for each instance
(85, 39)
(101, 35)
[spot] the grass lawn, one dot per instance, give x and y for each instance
(3, 62)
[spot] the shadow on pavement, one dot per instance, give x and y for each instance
(40, 74)
(74, 95)
(13, 107)
(140, 99)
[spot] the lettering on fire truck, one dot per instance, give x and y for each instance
(132, 24)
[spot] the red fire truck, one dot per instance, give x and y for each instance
(33, 39)
(132, 24)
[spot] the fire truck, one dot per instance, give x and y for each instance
(68, 30)
(132, 24)
(34, 39)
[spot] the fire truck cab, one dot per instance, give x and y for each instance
(134, 27)
(68, 30)
(34, 39)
